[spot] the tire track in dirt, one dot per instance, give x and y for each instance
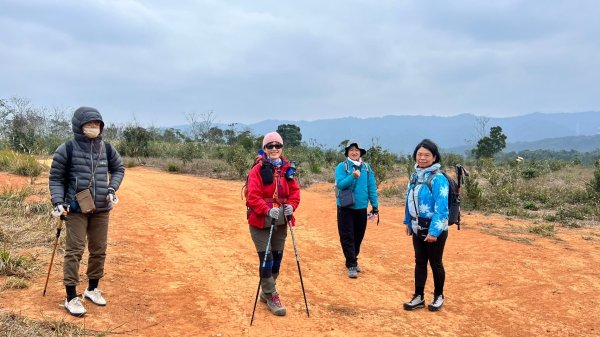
(181, 263)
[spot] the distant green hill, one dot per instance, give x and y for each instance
(577, 143)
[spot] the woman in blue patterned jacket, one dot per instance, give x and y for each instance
(426, 219)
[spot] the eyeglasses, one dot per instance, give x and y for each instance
(273, 146)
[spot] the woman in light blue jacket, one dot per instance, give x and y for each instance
(356, 176)
(426, 219)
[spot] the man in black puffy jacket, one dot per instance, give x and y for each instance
(85, 163)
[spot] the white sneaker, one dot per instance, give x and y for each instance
(75, 307)
(437, 303)
(95, 296)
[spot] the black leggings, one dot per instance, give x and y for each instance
(352, 224)
(432, 252)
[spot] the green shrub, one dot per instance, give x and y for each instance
(594, 185)
(382, 161)
(571, 224)
(173, 167)
(20, 164)
(130, 162)
(531, 206)
(219, 168)
(240, 159)
(543, 230)
(517, 211)
(530, 172)
(471, 192)
(189, 151)
(567, 214)
(14, 266)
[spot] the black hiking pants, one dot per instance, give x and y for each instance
(431, 252)
(352, 225)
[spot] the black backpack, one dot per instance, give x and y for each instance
(453, 193)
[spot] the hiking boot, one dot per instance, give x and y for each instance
(352, 272)
(274, 304)
(95, 296)
(438, 302)
(263, 297)
(416, 302)
(75, 307)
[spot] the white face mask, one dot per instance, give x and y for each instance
(91, 132)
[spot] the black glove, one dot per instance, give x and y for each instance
(374, 210)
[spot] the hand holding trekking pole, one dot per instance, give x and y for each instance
(112, 197)
(59, 226)
(60, 210)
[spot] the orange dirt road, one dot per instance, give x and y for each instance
(181, 263)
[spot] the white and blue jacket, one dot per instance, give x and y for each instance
(431, 205)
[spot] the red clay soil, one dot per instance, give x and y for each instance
(181, 263)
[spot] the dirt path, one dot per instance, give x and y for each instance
(181, 263)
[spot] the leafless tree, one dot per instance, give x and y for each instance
(201, 124)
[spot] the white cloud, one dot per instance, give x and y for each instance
(249, 61)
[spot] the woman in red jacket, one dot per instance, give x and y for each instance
(273, 196)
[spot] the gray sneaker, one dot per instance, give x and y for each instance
(274, 304)
(438, 302)
(352, 272)
(416, 302)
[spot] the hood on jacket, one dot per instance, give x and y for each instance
(83, 115)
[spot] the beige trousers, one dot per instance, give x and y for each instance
(94, 228)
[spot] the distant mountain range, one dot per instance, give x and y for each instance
(550, 131)
(578, 131)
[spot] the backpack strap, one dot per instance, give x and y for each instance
(69, 148)
(110, 152)
(430, 178)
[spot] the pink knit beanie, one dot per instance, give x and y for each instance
(272, 137)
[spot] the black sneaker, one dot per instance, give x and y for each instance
(416, 302)
(438, 302)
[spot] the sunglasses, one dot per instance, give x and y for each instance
(273, 146)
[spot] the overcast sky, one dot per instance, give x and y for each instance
(248, 61)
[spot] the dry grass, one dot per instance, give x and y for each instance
(14, 325)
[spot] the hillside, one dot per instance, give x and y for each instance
(399, 134)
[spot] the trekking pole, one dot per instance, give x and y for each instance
(60, 221)
(263, 265)
(288, 223)
(461, 173)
